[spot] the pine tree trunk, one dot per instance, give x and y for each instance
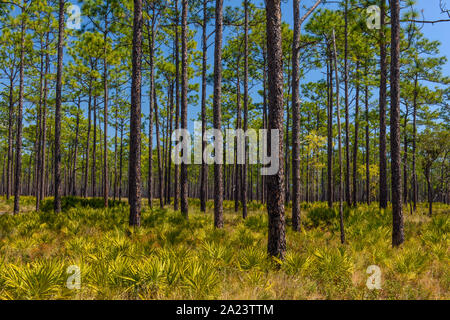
(355, 146)
(217, 114)
(338, 115)
(296, 222)
(276, 244)
(184, 105)
(204, 167)
(396, 179)
(347, 139)
(383, 76)
(57, 168)
(134, 169)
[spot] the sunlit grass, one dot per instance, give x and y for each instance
(171, 258)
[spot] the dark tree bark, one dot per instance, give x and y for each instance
(276, 244)
(94, 152)
(204, 168)
(105, 116)
(355, 145)
(152, 93)
(18, 165)
(158, 147)
(405, 156)
(383, 76)
(396, 179)
(347, 139)
(366, 101)
(341, 214)
(43, 177)
(244, 166)
(330, 193)
(217, 114)
(238, 172)
(86, 172)
(120, 160)
(184, 91)
(75, 153)
(177, 106)
(134, 169)
(414, 175)
(57, 168)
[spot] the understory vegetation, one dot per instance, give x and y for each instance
(170, 257)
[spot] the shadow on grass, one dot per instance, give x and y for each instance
(72, 202)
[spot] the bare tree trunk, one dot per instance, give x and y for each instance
(217, 111)
(238, 173)
(158, 147)
(18, 167)
(204, 168)
(94, 152)
(366, 101)
(244, 166)
(355, 146)
(134, 169)
(184, 91)
(86, 172)
(347, 139)
(341, 214)
(105, 118)
(405, 157)
(74, 169)
(414, 175)
(396, 179)
(57, 191)
(383, 76)
(330, 135)
(276, 244)
(177, 107)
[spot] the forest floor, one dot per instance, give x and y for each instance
(171, 258)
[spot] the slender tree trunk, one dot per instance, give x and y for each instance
(184, 92)
(296, 222)
(94, 151)
(158, 147)
(177, 107)
(330, 136)
(74, 169)
(430, 190)
(115, 149)
(405, 157)
(355, 146)
(276, 244)
(217, 115)
(18, 166)
(105, 117)
(57, 191)
(204, 168)
(244, 166)
(120, 160)
(347, 139)
(43, 177)
(366, 101)
(383, 76)
(86, 172)
(341, 214)
(414, 175)
(397, 215)
(238, 173)
(134, 169)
